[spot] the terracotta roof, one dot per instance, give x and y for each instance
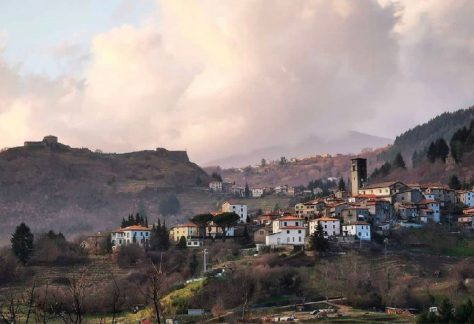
(427, 201)
(356, 223)
(132, 228)
(325, 219)
(190, 224)
(365, 196)
(382, 185)
(289, 218)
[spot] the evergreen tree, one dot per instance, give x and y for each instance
(398, 162)
(341, 185)
(193, 265)
(454, 183)
(22, 243)
(438, 150)
(385, 169)
(283, 160)
(263, 163)
(202, 220)
(159, 240)
(247, 191)
(445, 311)
(317, 240)
(245, 236)
(225, 221)
(108, 244)
(182, 243)
(216, 176)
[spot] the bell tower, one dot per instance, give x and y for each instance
(358, 174)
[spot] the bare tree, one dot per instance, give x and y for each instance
(14, 308)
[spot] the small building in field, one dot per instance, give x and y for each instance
(359, 229)
(215, 186)
(257, 192)
(135, 234)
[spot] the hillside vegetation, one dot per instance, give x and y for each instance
(419, 137)
(77, 190)
(295, 173)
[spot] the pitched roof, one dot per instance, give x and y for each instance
(382, 184)
(427, 201)
(132, 228)
(326, 219)
(356, 223)
(190, 224)
(290, 218)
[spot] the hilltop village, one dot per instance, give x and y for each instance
(344, 217)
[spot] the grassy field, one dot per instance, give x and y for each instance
(464, 249)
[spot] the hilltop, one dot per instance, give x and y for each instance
(418, 138)
(51, 185)
(295, 172)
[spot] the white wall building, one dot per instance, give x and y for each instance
(239, 209)
(331, 226)
(288, 230)
(215, 186)
(257, 192)
(135, 234)
(359, 229)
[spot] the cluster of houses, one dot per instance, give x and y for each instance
(343, 216)
(223, 187)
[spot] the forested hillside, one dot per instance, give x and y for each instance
(419, 138)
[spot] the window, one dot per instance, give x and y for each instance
(296, 224)
(299, 238)
(325, 226)
(299, 231)
(285, 223)
(287, 232)
(293, 238)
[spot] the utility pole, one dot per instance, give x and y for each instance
(204, 252)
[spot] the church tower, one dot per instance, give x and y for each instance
(358, 174)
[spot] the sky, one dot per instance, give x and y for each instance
(220, 77)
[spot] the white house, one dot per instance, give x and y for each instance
(215, 186)
(359, 229)
(257, 192)
(239, 209)
(466, 197)
(135, 234)
(331, 226)
(287, 230)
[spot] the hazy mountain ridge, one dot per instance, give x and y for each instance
(349, 143)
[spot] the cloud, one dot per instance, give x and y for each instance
(219, 77)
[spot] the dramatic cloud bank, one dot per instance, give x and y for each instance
(221, 77)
